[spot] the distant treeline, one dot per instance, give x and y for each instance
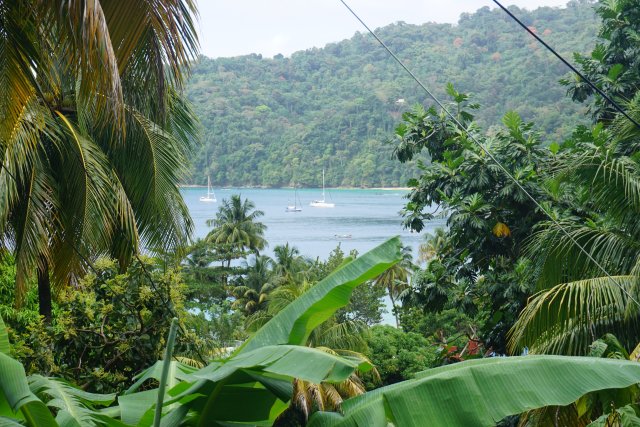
(277, 121)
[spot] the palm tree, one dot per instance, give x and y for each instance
(251, 295)
(434, 244)
(289, 266)
(396, 279)
(236, 229)
(94, 135)
(577, 301)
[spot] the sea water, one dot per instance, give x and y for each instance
(360, 220)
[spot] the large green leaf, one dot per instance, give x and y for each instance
(626, 416)
(293, 324)
(262, 376)
(266, 364)
(73, 405)
(482, 392)
(259, 374)
(15, 388)
(8, 422)
(177, 372)
(293, 361)
(4, 338)
(134, 406)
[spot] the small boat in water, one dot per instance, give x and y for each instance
(211, 196)
(342, 236)
(322, 203)
(295, 207)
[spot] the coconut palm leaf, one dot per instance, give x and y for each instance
(31, 225)
(83, 36)
(93, 144)
(608, 236)
(235, 225)
(151, 185)
(561, 260)
(567, 318)
(19, 55)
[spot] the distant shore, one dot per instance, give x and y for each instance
(291, 188)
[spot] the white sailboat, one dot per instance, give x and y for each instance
(295, 207)
(322, 203)
(211, 196)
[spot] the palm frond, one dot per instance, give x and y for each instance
(349, 334)
(19, 56)
(567, 318)
(561, 260)
(149, 171)
(82, 33)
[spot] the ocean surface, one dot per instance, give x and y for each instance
(369, 217)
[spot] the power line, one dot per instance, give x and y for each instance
(568, 64)
(491, 156)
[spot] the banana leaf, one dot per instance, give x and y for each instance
(265, 365)
(482, 392)
(4, 338)
(15, 391)
(293, 324)
(220, 391)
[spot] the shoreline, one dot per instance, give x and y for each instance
(291, 188)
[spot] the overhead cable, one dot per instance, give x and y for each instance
(492, 157)
(568, 64)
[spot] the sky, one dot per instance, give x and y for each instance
(269, 27)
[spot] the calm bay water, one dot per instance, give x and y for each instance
(368, 216)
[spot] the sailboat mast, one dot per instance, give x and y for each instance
(323, 198)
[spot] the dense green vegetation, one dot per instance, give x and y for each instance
(279, 121)
(539, 260)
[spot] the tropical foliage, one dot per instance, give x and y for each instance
(236, 230)
(278, 121)
(552, 276)
(95, 142)
(261, 369)
(95, 134)
(106, 329)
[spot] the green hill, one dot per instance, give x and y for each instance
(275, 121)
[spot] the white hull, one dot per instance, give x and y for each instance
(322, 204)
(211, 196)
(293, 209)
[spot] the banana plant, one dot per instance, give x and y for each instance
(262, 369)
(253, 386)
(481, 392)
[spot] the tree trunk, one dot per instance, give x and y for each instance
(44, 290)
(394, 308)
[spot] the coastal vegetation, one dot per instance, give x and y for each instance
(522, 311)
(276, 122)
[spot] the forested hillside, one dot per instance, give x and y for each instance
(275, 121)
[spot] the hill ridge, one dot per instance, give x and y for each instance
(275, 121)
